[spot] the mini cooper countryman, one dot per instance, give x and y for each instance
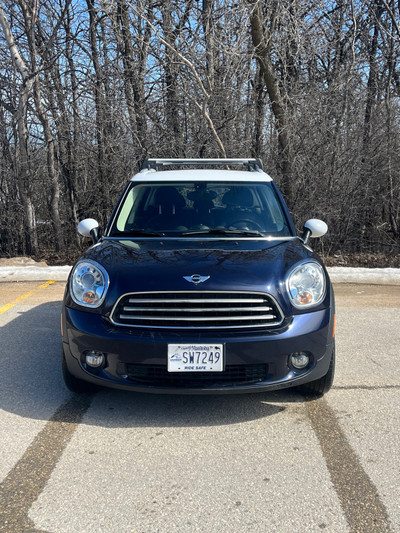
(199, 284)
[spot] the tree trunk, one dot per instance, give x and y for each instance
(262, 46)
(23, 169)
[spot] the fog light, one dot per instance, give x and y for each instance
(299, 360)
(94, 359)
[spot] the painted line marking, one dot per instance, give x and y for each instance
(24, 296)
(25, 482)
(359, 497)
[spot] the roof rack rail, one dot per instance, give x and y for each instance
(253, 165)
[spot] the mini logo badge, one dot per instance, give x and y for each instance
(196, 278)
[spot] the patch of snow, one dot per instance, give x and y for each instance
(379, 276)
(34, 273)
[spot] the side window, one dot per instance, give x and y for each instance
(273, 207)
(126, 210)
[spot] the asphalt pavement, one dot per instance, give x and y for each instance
(125, 462)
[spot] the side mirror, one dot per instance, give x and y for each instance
(313, 228)
(89, 228)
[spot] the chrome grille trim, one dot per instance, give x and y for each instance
(196, 318)
(163, 311)
(204, 300)
(202, 309)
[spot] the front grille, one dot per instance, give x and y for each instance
(196, 310)
(158, 375)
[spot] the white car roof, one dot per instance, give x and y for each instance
(202, 175)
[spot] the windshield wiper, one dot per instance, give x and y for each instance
(136, 233)
(221, 231)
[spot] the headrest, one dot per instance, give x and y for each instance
(202, 199)
(200, 195)
(166, 196)
(238, 197)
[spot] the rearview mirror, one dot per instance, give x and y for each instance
(314, 228)
(89, 228)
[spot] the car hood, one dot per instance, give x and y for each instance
(228, 265)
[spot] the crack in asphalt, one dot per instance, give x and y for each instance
(365, 387)
(359, 498)
(25, 482)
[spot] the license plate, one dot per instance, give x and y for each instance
(195, 358)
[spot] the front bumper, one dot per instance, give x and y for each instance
(125, 348)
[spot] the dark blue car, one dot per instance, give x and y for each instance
(199, 284)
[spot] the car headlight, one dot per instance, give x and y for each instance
(306, 285)
(89, 284)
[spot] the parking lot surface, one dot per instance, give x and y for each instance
(126, 462)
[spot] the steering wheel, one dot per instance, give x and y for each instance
(249, 225)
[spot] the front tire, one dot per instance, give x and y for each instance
(73, 383)
(318, 387)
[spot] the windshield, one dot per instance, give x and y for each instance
(195, 208)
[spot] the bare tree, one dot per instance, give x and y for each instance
(23, 156)
(88, 89)
(262, 31)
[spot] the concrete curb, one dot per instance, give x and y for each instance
(377, 276)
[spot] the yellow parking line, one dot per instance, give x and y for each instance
(23, 296)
